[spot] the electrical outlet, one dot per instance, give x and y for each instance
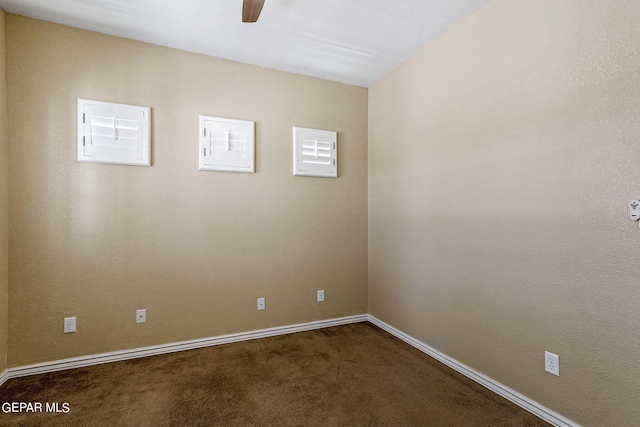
(141, 315)
(320, 296)
(552, 363)
(69, 324)
(260, 303)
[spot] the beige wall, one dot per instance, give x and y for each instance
(501, 160)
(194, 248)
(4, 204)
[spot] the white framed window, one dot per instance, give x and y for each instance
(315, 153)
(113, 133)
(227, 145)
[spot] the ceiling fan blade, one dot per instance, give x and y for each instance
(251, 10)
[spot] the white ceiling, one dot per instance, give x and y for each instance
(349, 41)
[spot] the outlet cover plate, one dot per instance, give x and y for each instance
(552, 363)
(141, 315)
(69, 325)
(320, 296)
(261, 304)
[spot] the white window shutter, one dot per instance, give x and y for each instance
(227, 145)
(113, 133)
(315, 153)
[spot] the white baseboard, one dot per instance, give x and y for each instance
(115, 356)
(524, 402)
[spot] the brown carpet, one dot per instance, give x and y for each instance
(353, 375)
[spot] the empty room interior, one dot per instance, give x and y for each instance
(478, 204)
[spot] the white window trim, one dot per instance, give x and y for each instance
(332, 137)
(249, 150)
(146, 151)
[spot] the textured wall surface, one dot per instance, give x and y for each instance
(501, 160)
(194, 248)
(4, 204)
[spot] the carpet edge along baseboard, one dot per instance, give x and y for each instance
(135, 353)
(511, 395)
(77, 362)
